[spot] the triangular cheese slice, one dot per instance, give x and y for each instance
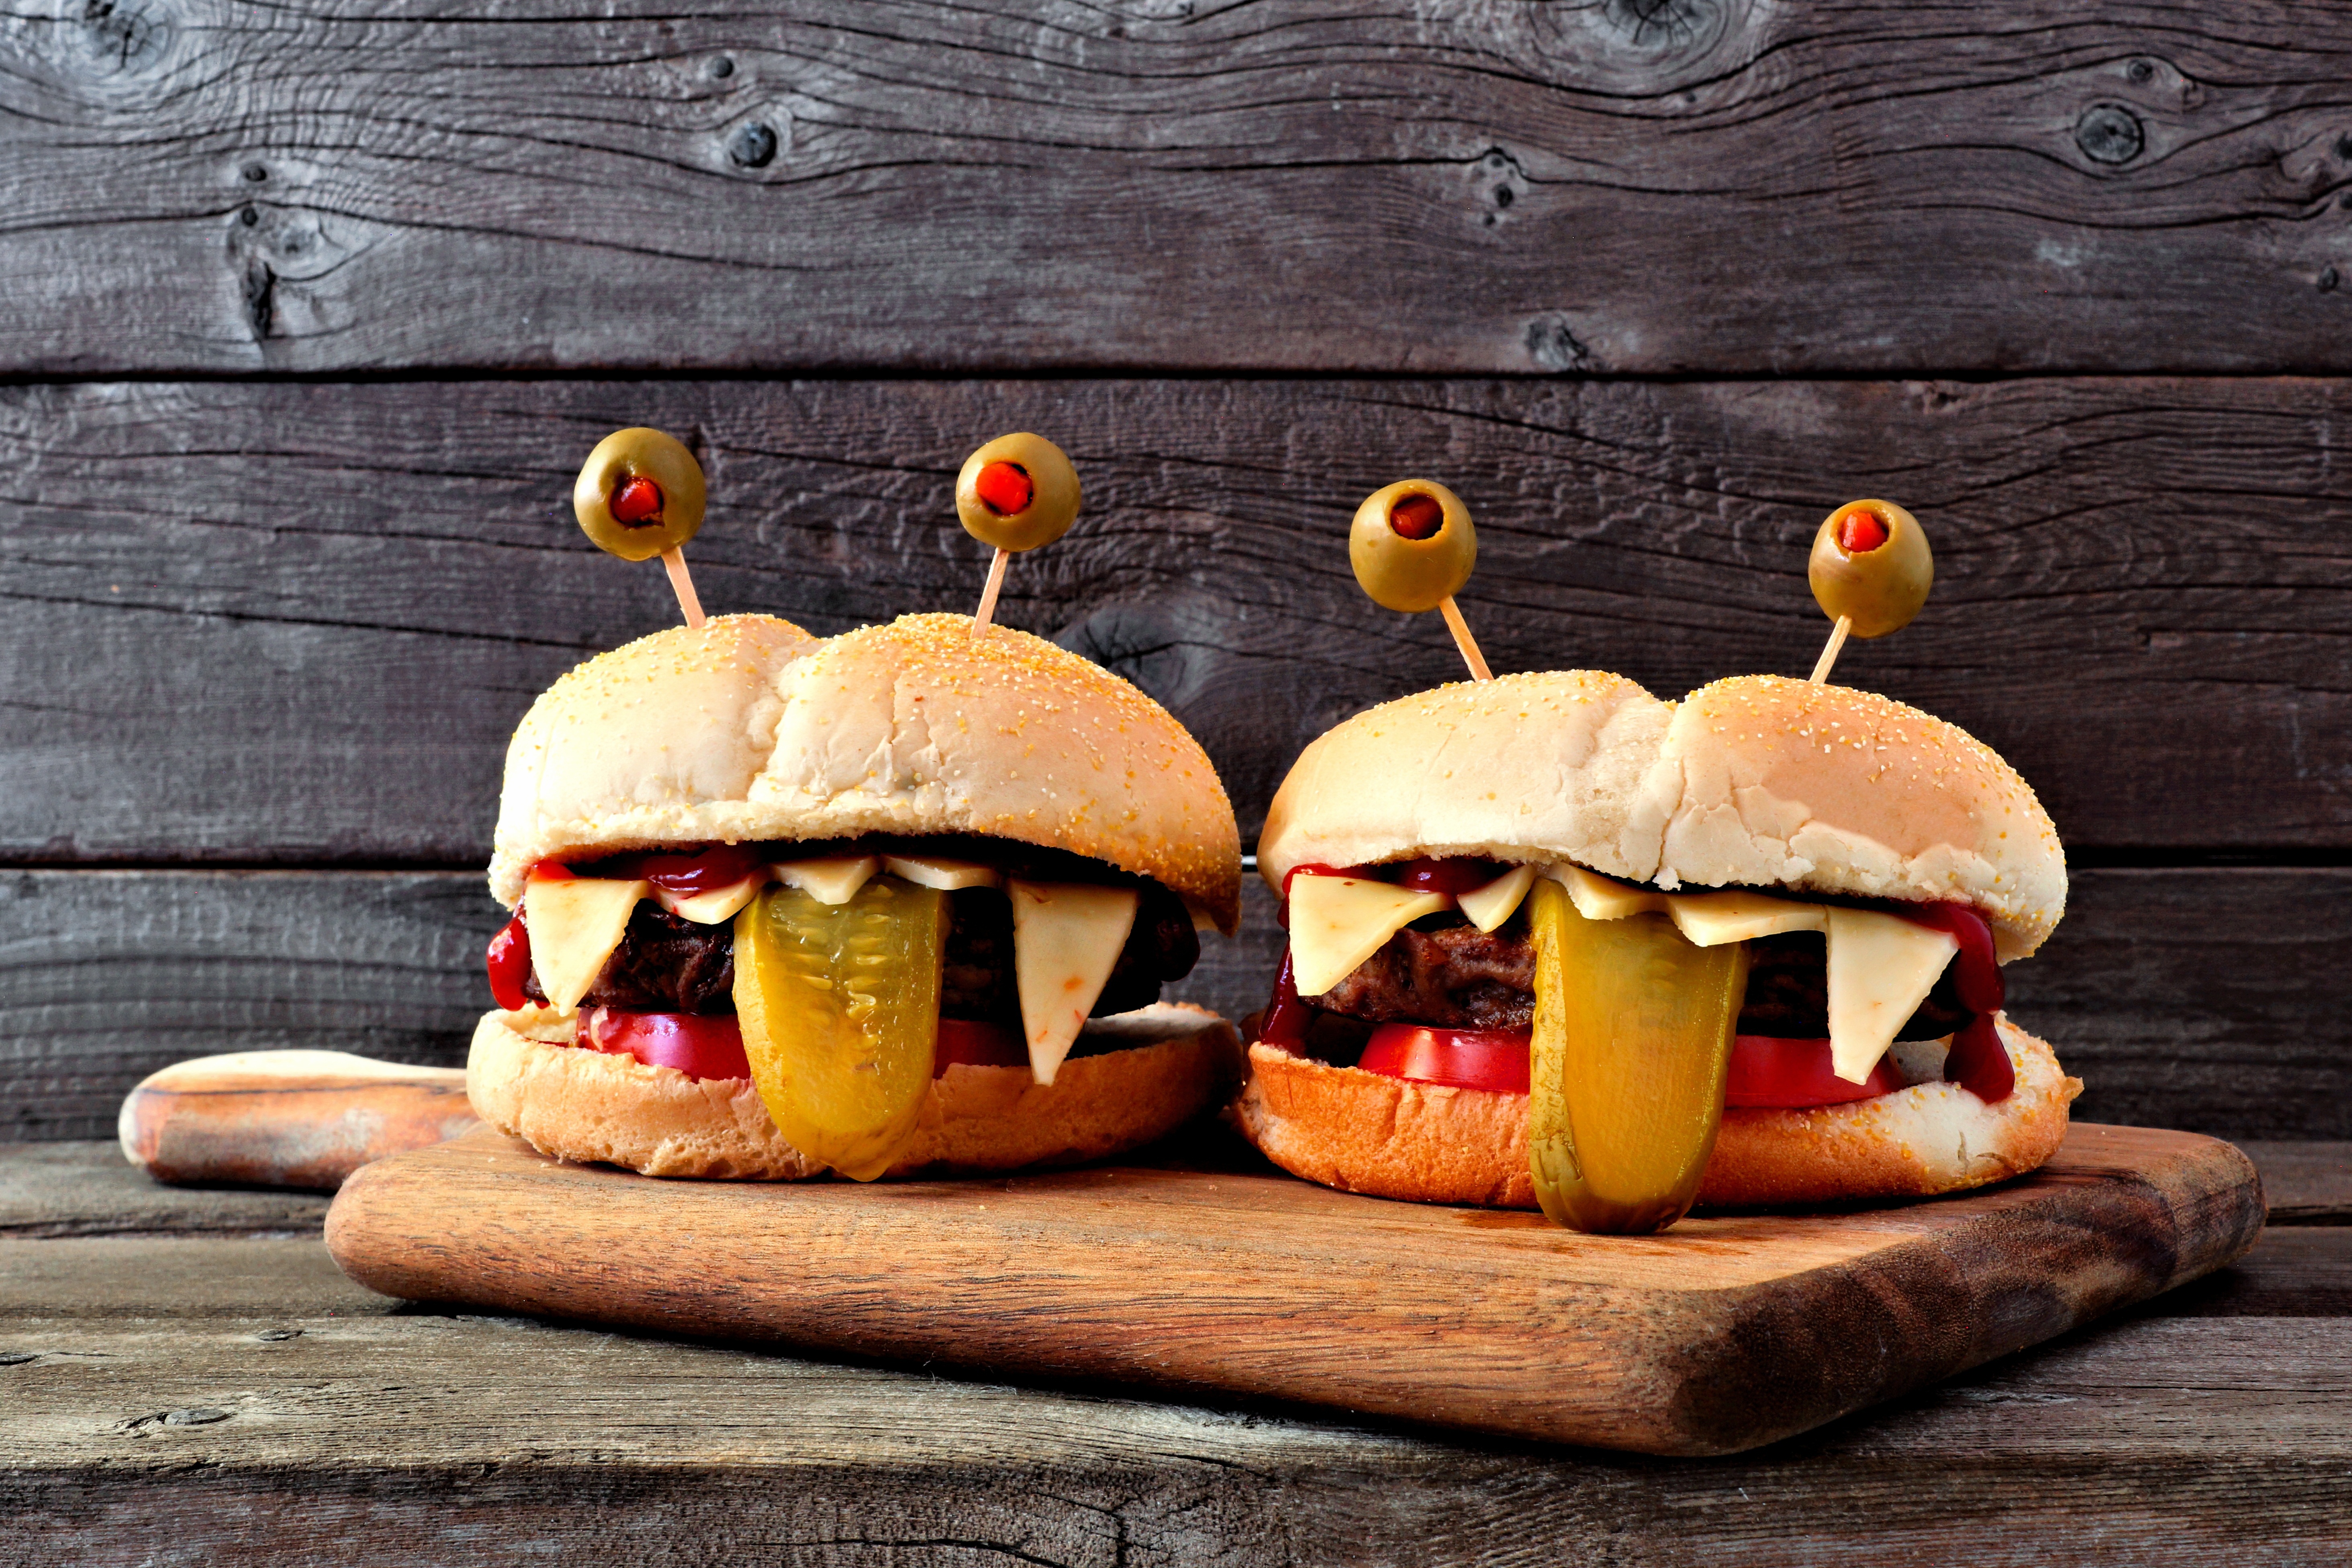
(946, 876)
(575, 922)
(1597, 898)
(715, 907)
(1488, 907)
(1065, 940)
(835, 880)
(1881, 968)
(1337, 923)
(1710, 919)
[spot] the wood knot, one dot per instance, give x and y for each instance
(753, 147)
(124, 34)
(1555, 348)
(1663, 24)
(2109, 133)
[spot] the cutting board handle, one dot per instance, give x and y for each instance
(287, 1118)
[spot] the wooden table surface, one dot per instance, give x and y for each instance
(185, 1376)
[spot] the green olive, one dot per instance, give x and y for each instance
(1871, 562)
(1411, 545)
(1017, 492)
(639, 493)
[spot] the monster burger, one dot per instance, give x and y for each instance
(1556, 881)
(898, 900)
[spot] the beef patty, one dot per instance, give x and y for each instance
(666, 963)
(1444, 972)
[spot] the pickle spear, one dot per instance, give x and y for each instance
(840, 1010)
(1633, 1037)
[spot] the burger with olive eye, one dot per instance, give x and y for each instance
(1822, 880)
(895, 901)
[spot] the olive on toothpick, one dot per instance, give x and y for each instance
(1412, 548)
(1871, 570)
(1015, 493)
(640, 494)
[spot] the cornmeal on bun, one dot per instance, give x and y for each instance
(1876, 862)
(1052, 839)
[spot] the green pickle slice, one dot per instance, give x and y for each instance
(1632, 1038)
(840, 1010)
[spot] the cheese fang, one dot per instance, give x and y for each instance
(945, 875)
(575, 923)
(1881, 968)
(1710, 919)
(1337, 922)
(1066, 939)
(834, 880)
(1488, 907)
(1597, 898)
(715, 907)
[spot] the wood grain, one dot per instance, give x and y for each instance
(2306, 1181)
(86, 1187)
(2185, 997)
(412, 1436)
(296, 624)
(1263, 1286)
(287, 1118)
(106, 977)
(1638, 187)
(2206, 1426)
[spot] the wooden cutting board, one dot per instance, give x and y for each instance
(1722, 1334)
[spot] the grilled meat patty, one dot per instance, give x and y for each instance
(670, 964)
(1444, 971)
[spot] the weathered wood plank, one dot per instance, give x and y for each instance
(88, 1188)
(2183, 998)
(1697, 184)
(2306, 1182)
(415, 1437)
(105, 977)
(294, 623)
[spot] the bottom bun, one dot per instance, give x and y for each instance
(1367, 1132)
(589, 1105)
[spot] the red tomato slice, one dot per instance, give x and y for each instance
(979, 1046)
(1792, 1075)
(694, 1046)
(1492, 1059)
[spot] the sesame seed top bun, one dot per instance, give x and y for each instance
(750, 729)
(1758, 781)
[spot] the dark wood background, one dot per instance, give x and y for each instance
(308, 313)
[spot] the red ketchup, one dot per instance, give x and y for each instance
(1454, 876)
(704, 871)
(509, 965)
(1286, 1017)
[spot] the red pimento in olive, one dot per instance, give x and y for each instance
(1006, 488)
(636, 501)
(1417, 517)
(1861, 532)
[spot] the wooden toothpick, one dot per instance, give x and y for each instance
(1464, 640)
(682, 585)
(1829, 651)
(988, 596)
